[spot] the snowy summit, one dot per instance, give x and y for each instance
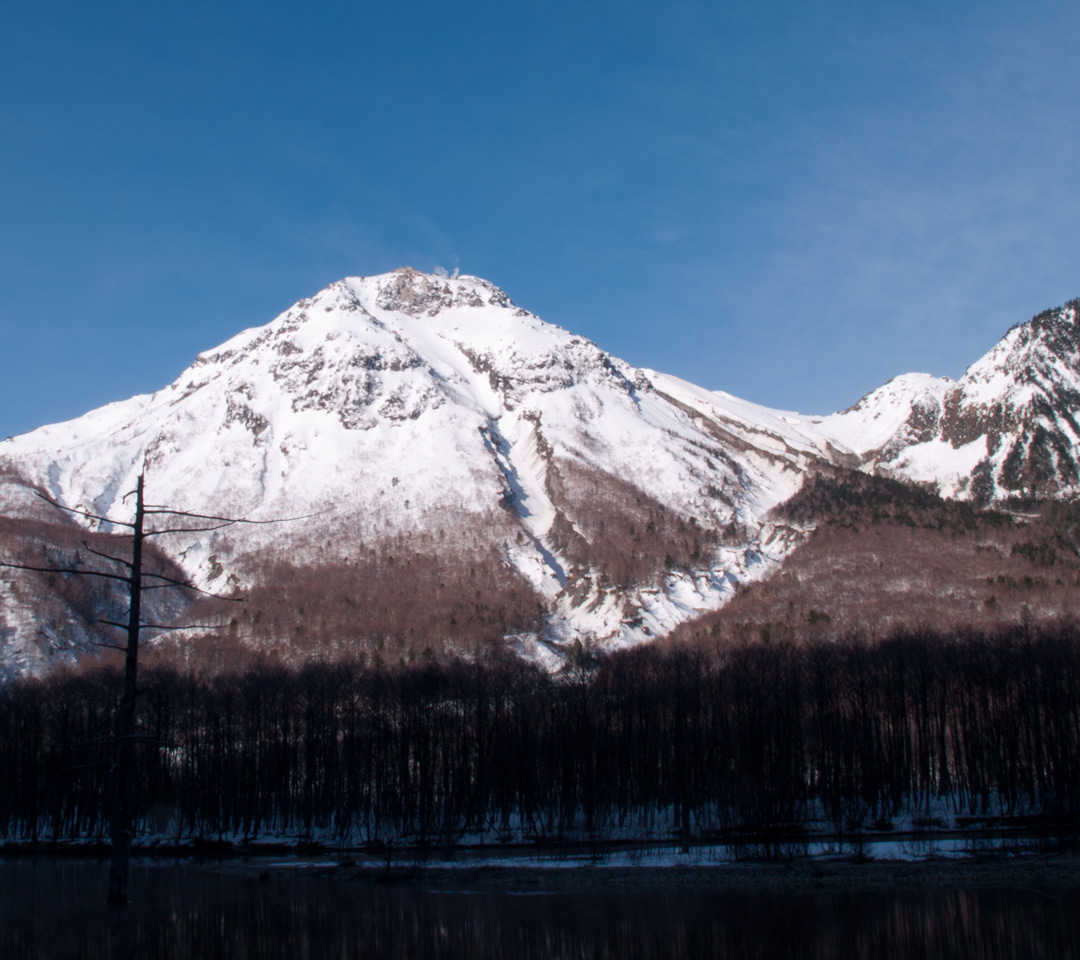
(427, 416)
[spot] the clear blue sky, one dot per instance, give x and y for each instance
(790, 201)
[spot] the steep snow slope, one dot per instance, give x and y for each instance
(404, 403)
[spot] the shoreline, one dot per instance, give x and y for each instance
(598, 868)
(786, 844)
(1041, 873)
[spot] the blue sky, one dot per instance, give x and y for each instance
(789, 201)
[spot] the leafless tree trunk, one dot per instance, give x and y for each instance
(122, 772)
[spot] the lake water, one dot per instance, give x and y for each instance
(54, 909)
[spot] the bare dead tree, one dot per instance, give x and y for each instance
(137, 580)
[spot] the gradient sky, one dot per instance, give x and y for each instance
(789, 201)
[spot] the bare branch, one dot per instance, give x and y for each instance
(162, 510)
(72, 570)
(83, 513)
(106, 556)
(165, 511)
(109, 646)
(186, 584)
(184, 626)
(146, 625)
(191, 586)
(158, 533)
(168, 581)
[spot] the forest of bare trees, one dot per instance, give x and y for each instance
(609, 525)
(698, 740)
(882, 554)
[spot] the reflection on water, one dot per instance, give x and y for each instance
(53, 909)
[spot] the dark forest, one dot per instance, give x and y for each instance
(700, 742)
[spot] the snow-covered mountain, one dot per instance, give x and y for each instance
(445, 449)
(430, 414)
(1006, 429)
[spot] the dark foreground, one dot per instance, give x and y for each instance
(1030, 908)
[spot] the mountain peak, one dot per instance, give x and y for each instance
(1009, 428)
(426, 426)
(1049, 339)
(407, 290)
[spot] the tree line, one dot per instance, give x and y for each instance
(693, 739)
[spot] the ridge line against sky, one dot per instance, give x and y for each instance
(792, 205)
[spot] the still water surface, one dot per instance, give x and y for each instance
(54, 909)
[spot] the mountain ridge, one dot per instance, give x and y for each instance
(411, 408)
